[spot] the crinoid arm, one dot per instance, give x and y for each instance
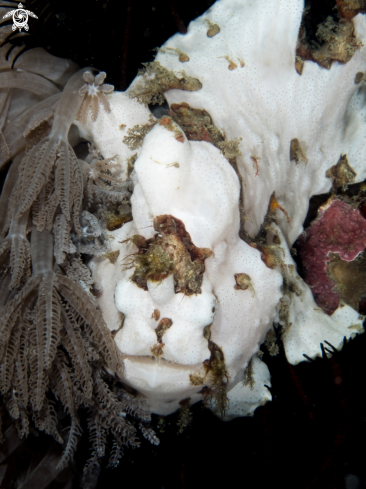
(39, 61)
(63, 245)
(74, 345)
(5, 198)
(98, 330)
(20, 260)
(48, 311)
(94, 94)
(35, 171)
(15, 309)
(54, 150)
(5, 99)
(114, 194)
(68, 179)
(55, 348)
(42, 87)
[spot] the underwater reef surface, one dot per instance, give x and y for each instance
(66, 202)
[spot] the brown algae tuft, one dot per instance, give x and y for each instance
(170, 251)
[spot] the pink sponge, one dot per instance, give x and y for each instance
(339, 228)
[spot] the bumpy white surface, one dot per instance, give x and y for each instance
(243, 399)
(108, 131)
(266, 103)
(211, 216)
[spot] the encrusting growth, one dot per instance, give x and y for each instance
(335, 41)
(149, 90)
(100, 182)
(169, 251)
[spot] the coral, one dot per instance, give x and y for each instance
(336, 237)
(39, 127)
(102, 185)
(36, 168)
(94, 94)
(99, 172)
(56, 352)
(66, 335)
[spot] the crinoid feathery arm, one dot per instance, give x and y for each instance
(36, 168)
